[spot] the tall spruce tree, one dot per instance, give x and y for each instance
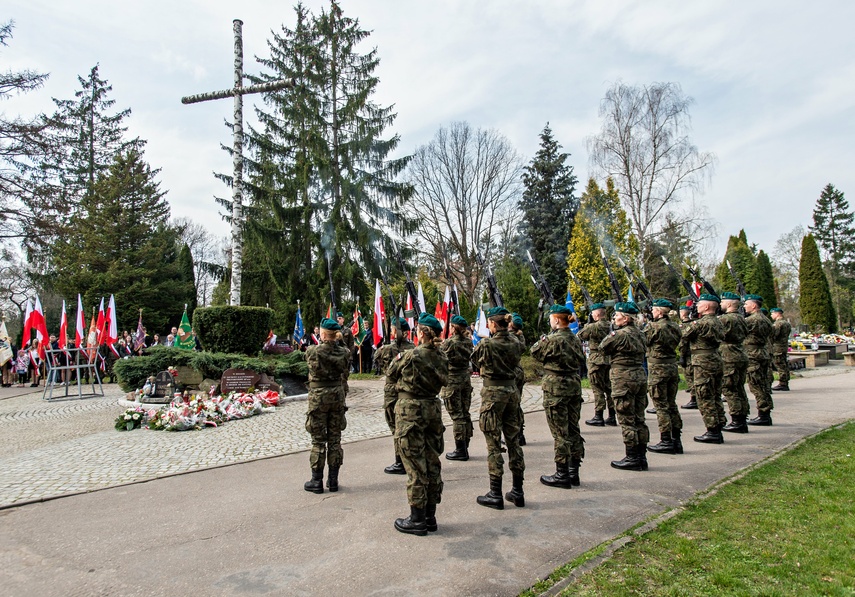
(815, 304)
(120, 242)
(742, 259)
(834, 232)
(188, 279)
(549, 208)
(764, 280)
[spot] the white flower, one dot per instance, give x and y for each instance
(127, 417)
(136, 416)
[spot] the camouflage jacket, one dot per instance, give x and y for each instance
(327, 361)
(704, 334)
(757, 340)
(781, 331)
(663, 336)
(735, 330)
(626, 346)
(685, 347)
(387, 353)
(347, 337)
(560, 353)
(594, 333)
(421, 372)
(458, 350)
(498, 356)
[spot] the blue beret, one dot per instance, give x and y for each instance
(709, 297)
(663, 303)
(776, 310)
(329, 324)
(629, 307)
(730, 296)
(430, 321)
(402, 324)
(498, 312)
(458, 320)
(754, 297)
(560, 309)
(596, 306)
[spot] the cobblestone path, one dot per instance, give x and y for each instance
(53, 448)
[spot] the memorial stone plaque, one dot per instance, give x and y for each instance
(238, 380)
(161, 384)
(266, 383)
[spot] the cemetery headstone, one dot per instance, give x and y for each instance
(163, 385)
(238, 380)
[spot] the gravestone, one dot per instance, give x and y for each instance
(265, 383)
(163, 388)
(238, 380)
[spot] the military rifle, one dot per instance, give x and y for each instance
(686, 284)
(333, 306)
(455, 303)
(647, 303)
(740, 287)
(588, 300)
(612, 280)
(411, 288)
(546, 297)
(696, 274)
(492, 288)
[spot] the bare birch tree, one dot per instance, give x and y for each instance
(644, 146)
(467, 182)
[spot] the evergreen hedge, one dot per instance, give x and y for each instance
(233, 329)
(133, 372)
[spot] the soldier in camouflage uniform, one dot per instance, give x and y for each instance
(325, 419)
(735, 362)
(663, 336)
(705, 335)
(781, 330)
(457, 394)
(598, 367)
(561, 355)
(516, 330)
(383, 357)
(626, 347)
(686, 358)
(497, 357)
(419, 375)
(759, 331)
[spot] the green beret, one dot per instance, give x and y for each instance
(776, 310)
(764, 311)
(497, 312)
(663, 303)
(685, 308)
(458, 320)
(517, 320)
(560, 309)
(430, 321)
(596, 306)
(402, 324)
(329, 324)
(754, 297)
(629, 307)
(730, 296)
(709, 297)
(339, 314)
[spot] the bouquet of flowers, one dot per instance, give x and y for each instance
(130, 419)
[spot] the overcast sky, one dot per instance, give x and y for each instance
(773, 82)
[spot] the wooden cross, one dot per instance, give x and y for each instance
(238, 91)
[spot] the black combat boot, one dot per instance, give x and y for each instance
(597, 420)
(430, 518)
(678, 443)
(561, 478)
(332, 479)
(612, 420)
(573, 471)
(651, 410)
(737, 424)
(316, 485)
(641, 451)
(493, 498)
(712, 436)
(631, 462)
(763, 419)
(414, 524)
(665, 445)
(397, 468)
(515, 495)
(781, 387)
(460, 451)
(692, 403)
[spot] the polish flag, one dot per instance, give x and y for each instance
(100, 325)
(410, 308)
(112, 327)
(379, 314)
(80, 331)
(63, 328)
(25, 339)
(421, 297)
(40, 325)
(446, 313)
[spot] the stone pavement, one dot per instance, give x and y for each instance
(70, 446)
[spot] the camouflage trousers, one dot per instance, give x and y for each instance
(457, 397)
(390, 398)
(500, 416)
(662, 382)
(782, 365)
(689, 374)
(629, 391)
(325, 420)
(520, 380)
(733, 388)
(419, 437)
(708, 372)
(601, 386)
(562, 401)
(759, 383)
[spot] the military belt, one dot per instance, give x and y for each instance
(561, 373)
(625, 365)
(704, 350)
(324, 384)
(666, 361)
(489, 381)
(409, 396)
(753, 344)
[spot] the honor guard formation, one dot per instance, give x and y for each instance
(720, 341)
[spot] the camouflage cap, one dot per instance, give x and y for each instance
(329, 324)
(596, 306)
(497, 312)
(629, 308)
(709, 297)
(430, 321)
(517, 321)
(402, 324)
(754, 297)
(458, 320)
(730, 296)
(776, 310)
(663, 303)
(560, 309)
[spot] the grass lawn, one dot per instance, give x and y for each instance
(785, 528)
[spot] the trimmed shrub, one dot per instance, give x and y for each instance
(233, 329)
(133, 372)
(533, 370)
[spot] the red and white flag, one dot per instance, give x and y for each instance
(38, 322)
(410, 319)
(447, 309)
(100, 331)
(28, 316)
(421, 297)
(62, 339)
(80, 330)
(112, 328)
(379, 314)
